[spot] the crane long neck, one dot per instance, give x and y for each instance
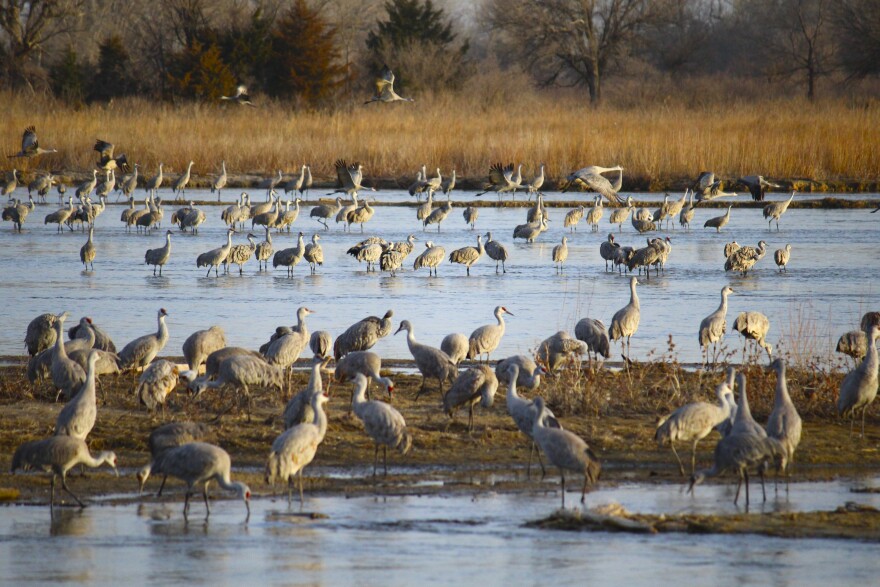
(870, 362)
(723, 306)
(633, 297)
(167, 239)
(782, 396)
(59, 340)
(320, 416)
(93, 462)
(315, 382)
(162, 334)
(511, 387)
(301, 323)
(619, 183)
(90, 334)
(743, 411)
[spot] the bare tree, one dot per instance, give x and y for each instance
(571, 42)
(27, 25)
(858, 34)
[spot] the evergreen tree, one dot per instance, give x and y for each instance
(113, 77)
(68, 77)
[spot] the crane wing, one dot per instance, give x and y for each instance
(29, 140)
(104, 148)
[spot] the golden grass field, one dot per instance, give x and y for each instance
(659, 145)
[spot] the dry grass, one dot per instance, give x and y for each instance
(657, 144)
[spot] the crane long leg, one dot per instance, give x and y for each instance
(694, 457)
(67, 489)
(562, 476)
(385, 459)
(677, 458)
(162, 485)
(375, 459)
(289, 490)
(301, 501)
(746, 476)
(738, 487)
(584, 490)
(205, 495)
(186, 504)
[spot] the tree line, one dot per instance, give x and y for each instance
(322, 53)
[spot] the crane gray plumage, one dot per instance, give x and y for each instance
(141, 351)
(383, 424)
(438, 215)
(538, 211)
(475, 385)
(775, 210)
(296, 447)
(692, 423)
(707, 187)
(855, 342)
(501, 180)
(754, 326)
(342, 214)
(757, 186)
(321, 343)
(607, 248)
(156, 383)
(497, 252)
(299, 409)
(431, 362)
(368, 252)
(730, 248)
(67, 376)
(88, 252)
(362, 335)
(572, 217)
(200, 463)
(688, 212)
(560, 253)
(556, 349)
(61, 216)
(58, 455)
(215, 359)
(391, 259)
(744, 258)
(859, 388)
(349, 178)
(565, 450)
(625, 322)
(643, 221)
(536, 183)
(287, 349)
(290, 257)
(313, 253)
(30, 145)
(424, 209)
(467, 256)
(192, 219)
(40, 334)
(674, 209)
(718, 222)
(528, 372)
(159, 257)
(215, 257)
(269, 217)
(591, 178)
(240, 372)
(264, 251)
(714, 326)
(202, 343)
(17, 213)
(78, 416)
(365, 362)
(486, 339)
(531, 230)
(220, 181)
(455, 346)
(470, 215)
(594, 215)
(781, 257)
(360, 215)
(619, 215)
(743, 422)
(384, 85)
(166, 437)
(523, 411)
(107, 161)
(784, 422)
(240, 97)
(595, 335)
(431, 257)
(154, 183)
(241, 254)
(179, 186)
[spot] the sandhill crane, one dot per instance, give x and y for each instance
(643, 221)
(431, 362)
(757, 185)
(418, 186)
(754, 326)
(573, 217)
(438, 215)
(591, 178)
(781, 257)
(86, 187)
(42, 184)
(431, 257)
(220, 181)
(258, 209)
(391, 259)
(200, 462)
(538, 211)
(595, 214)
(202, 343)
(299, 409)
(607, 248)
(154, 183)
(241, 254)
(859, 388)
(240, 372)
(524, 412)
(565, 450)
(349, 178)
(288, 216)
(775, 210)
(595, 335)
(240, 97)
(290, 257)
(342, 214)
(40, 334)
(106, 185)
(744, 258)
(324, 212)
(743, 422)
(156, 383)
(625, 322)
(529, 374)
(360, 215)
(18, 213)
(67, 376)
(270, 216)
(384, 84)
(477, 384)
(369, 252)
(713, 327)
(129, 183)
(739, 453)
(77, 417)
(313, 253)
(535, 184)
(718, 222)
(362, 335)
(455, 346)
(264, 251)
(321, 343)
(88, 252)
(673, 209)
(486, 339)
(150, 217)
(425, 209)
(367, 363)
(158, 257)
(620, 215)
(560, 254)
(141, 351)
(216, 257)
(383, 424)
(687, 213)
(58, 455)
(296, 184)
(707, 187)
(497, 252)
(853, 343)
(286, 349)
(693, 422)
(531, 230)
(555, 350)
(30, 146)
(730, 248)
(192, 219)
(501, 180)
(467, 256)
(215, 359)
(107, 161)
(10, 185)
(784, 422)
(166, 437)
(295, 448)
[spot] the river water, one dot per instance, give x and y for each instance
(831, 280)
(459, 539)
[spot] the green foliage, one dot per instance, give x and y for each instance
(410, 22)
(248, 49)
(114, 76)
(68, 77)
(199, 72)
(305, 60)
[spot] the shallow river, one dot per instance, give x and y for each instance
(460, 540)
(831, 280)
